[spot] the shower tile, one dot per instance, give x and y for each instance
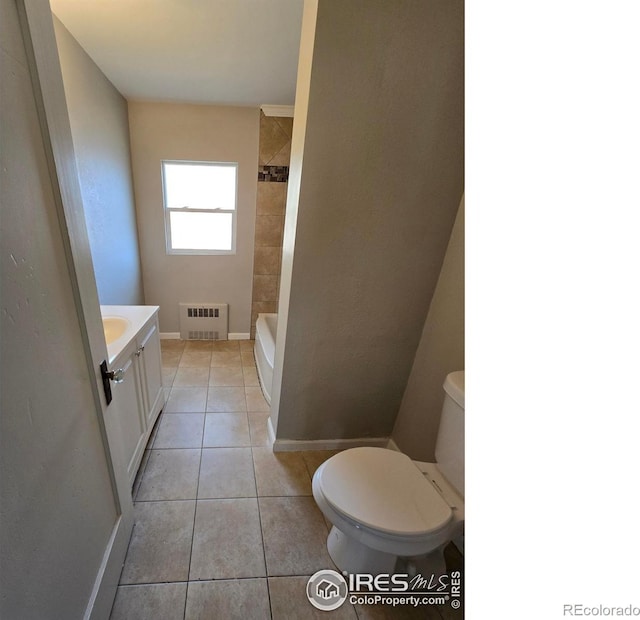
(192, 377)
(267, 261)
(230, 599)
(265, 288)
(170, 475)
(226, 399)
(227, 542)
(160, 543)
(295, 536)
(148, 602)
(271, 198)
(226, 376)
(226, 473)
(180, 430)
(225, 358)
(255, 399)
(269, 230)
(186, 400)
(280, 473)
(226, 430)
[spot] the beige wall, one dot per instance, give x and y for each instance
(376, 184)
(199, 133)
(100, 130)
(275, 150)
(441, 351)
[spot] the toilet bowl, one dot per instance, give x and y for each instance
(384, 507)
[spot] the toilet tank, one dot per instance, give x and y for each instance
(450, 442)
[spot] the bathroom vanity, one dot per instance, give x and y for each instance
(133, 344)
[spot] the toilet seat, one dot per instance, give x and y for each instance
(384, 491)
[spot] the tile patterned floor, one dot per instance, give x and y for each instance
(225, 528)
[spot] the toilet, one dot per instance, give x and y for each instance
(389, 512)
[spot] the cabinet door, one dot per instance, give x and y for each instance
(130, 411)
(151, 362)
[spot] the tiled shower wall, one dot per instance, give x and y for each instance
(273, 172)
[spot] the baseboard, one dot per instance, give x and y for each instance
(169, 335)
(240, 336)
(296, 445)
(392, 445)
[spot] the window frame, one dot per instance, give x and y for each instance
(168, 210)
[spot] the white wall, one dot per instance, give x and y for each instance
(441, 351)
(55, 489)
(100, 130)
(199, 133)
(375, 183)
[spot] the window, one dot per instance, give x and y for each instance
(200, 206)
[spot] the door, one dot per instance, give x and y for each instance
(66, 513)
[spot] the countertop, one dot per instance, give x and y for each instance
(137, 316)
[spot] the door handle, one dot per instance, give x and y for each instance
(117, 376)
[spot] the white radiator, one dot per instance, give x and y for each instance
(204, 321)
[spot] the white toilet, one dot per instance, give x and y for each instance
(384, 506)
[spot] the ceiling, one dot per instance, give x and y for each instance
(224, 52)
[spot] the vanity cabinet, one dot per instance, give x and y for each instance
(139, 398)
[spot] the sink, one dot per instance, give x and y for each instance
(114, 327)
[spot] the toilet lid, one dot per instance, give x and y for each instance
(384, 490)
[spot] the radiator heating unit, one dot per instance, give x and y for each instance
(204, 321)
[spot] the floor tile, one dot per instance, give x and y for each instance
(247, 358)
(399, 612)
(226, 473)
(314, 458)
(170, 474)
(192, 377)
(245, 599)
(226, 345)
(250, 376)
(198, 345)
(226, 399)
(195, 359)
(289, 601)
(186, 400)
(150, 602)
(228, 376)
(226, 358)
(172, 344)
(160, 545)
(168, 375)
(247, 345)
(227, 541)
(280, 473)
(171, 357)
(258, 429)
(180, 430)
(295, 536)
(226, 430)
(140, 474)
(255, 399)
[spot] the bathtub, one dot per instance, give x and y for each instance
(264, 351)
